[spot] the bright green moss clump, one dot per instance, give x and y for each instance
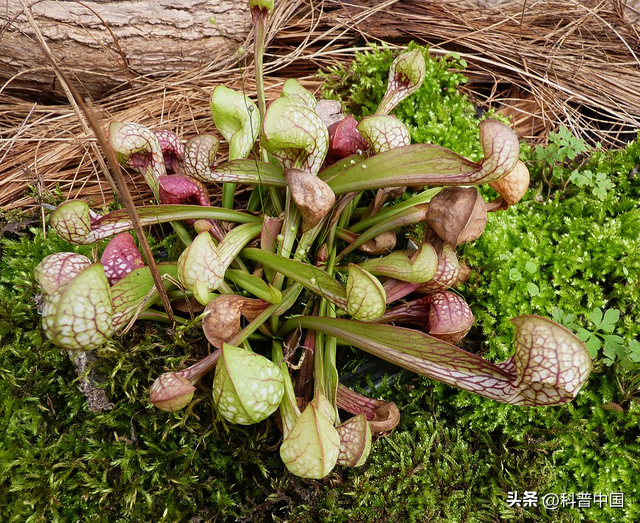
(61, 462)
(436, 113)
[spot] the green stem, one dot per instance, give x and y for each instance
(182, 233)
(260, 18)
(330, 371)
(318, 356)
(260, 27)
(228, 194)
(160, 316)
(385, 214)
(289, 233)
(288, 409)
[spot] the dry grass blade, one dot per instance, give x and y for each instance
(545, 63)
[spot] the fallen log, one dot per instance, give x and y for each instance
(106, 44)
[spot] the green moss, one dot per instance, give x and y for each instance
(60, 462)
(436, 113)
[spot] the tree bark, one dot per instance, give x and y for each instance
(104, 44)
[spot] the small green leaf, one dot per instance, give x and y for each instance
(593, 345)
(596, 317)
(531, 267)
(634, 350)
(533, 289)
(515, 275)
(611, 317)
(583, 334)
(615, 344)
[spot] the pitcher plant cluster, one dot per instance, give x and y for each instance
(312, 261)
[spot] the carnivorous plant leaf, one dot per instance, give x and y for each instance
(200, 268)
(120, 257)
(413, 312)
(366, 298)
(330, 111)
(446, 273)
(413, 215)
(295, 135)
(323, 405)
(355, 441)
(450, 318)
(199, 155)
(427, 164)
(138, 147)
(549, 367)
(57, 269)
(294, 90)
(381, 197)
(345, 139)
(501, 150)
(254, 285)
(380, 244)
(171, 392)
(237, 118)
(313, 197)
(384, 132)
(79, 314)
(551, 363)
(405, 76)
(247, 387)
(251, 172)
(420, 268)
(307, 275)
(514, 185)
(137, 291)
(221, 319)
(73, 220)
(262, 4)
(202, 265)
(383, 416)
(176, 188)
(457, 214)
(172, 149)
(312, 447)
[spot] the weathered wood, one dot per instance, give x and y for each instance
(105, 43)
